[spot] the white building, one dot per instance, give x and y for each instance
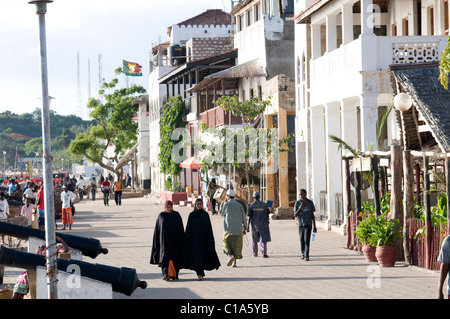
(168, 56)
(344, 50)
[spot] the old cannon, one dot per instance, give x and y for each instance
(90, 247)
(123, 280)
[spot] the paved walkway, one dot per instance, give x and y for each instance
(333, 271)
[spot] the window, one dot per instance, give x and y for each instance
(249, 17)
(240, 25)
(405, 26)
(257, 12)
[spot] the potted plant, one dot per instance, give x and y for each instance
(364, 232)
(386, 232)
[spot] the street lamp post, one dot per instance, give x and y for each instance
(52, 270)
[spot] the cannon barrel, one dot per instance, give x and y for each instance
(90, 247)
(123, 280)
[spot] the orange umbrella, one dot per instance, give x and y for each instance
(191, 163)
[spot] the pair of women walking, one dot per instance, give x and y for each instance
(174, 249)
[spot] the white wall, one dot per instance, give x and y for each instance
(184, 33)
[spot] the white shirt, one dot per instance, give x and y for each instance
(66, 197)
(81, 183)
(29, 193)
(4, 209)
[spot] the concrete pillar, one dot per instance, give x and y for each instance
(283, 161)
(367, 17)
(316, 46)
(144, 147)
(331, 32)
(347, 23)
(318, 181)
(349, 133)
(333, 157)
(369, 117)
(301, 137)
(269, 166)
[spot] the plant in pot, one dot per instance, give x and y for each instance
(364, 232)
(386, 232)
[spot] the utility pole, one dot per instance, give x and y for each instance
(50, 237)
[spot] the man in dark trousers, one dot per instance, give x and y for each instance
(304, 212)
(258, 214)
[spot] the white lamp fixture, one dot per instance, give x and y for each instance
(402, 102)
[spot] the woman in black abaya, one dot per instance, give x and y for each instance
(199, 246)
(168, 242)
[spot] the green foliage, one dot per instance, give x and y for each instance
(385, 230)
(13, 127)
(114, 123)
(438, 216)
(247, 110)
(365, 229)
(381, 122)
(444, 65)
(173, 186)
(342, 145)
(171, 118)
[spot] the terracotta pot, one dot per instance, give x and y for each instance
(386, 256)
(369, 253)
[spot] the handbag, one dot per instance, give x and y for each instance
(171, 270)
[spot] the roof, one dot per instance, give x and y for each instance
(209, 17)
(251, 68)
(240, 5)
(163, 45)
(430, 98)
(225, 58)
(305, 15)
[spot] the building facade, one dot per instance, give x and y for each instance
(345, 50)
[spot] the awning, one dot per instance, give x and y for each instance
(250, 69)
(191, 163)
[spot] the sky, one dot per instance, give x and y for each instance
(116, 30)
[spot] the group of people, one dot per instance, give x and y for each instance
(194, 248)
(105, 185)
(175, 248)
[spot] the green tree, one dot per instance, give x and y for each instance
(114, 126)
(247, 110)
(444, 65)
(171, 119)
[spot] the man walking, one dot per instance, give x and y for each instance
(235, 224)
(304, 212)
(66, 199)
(106, 185)
(258, 213)
(118, 192)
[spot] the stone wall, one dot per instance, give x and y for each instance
(200, 48)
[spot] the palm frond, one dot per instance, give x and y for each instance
(343, 145)
(381, 123)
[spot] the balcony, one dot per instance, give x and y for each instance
(217, 117)
(340, 71)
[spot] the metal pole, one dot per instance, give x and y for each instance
(52, 270)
